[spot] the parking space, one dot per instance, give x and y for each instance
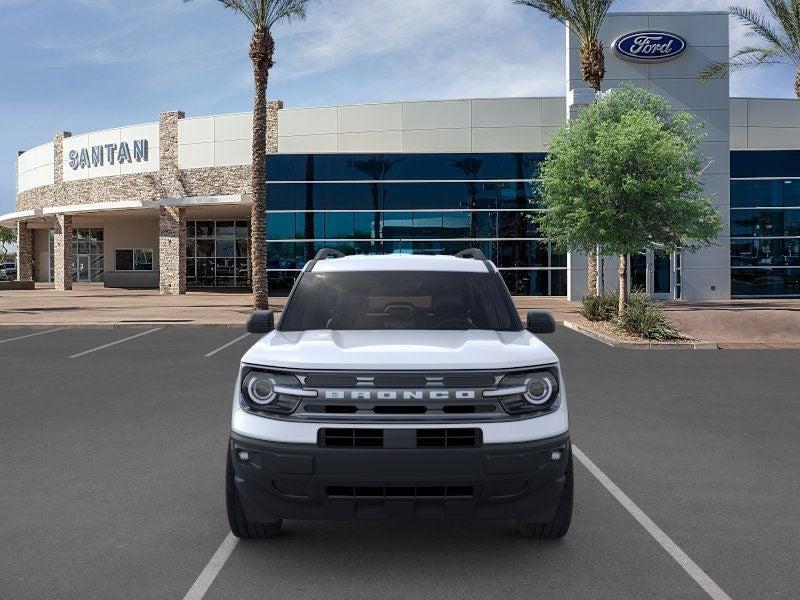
(112, 481)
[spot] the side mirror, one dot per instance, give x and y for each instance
(261, 321)
(540, 322)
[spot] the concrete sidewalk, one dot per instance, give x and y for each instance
(734, 324)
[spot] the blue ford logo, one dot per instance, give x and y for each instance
(649, 46)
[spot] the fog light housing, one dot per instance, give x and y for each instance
(555, 455)
(243, 456)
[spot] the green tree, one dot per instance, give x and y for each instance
(7, 236)
(626, 174)
(584, 19)
(263, 15)
(778, 36)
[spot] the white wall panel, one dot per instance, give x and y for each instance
(508, 112)
(554, 112)
(698, 29)
(371, 141)
(299, 144)
(437, 140)
(233, 127)
(738, 112)
(507, 139)
(234, 152)
(308, 121)
(35, 167)
(196, 131)
(370, 117)
(739, 138)
(437, 115)
(766, 138)
(773, 113)
(691, 94)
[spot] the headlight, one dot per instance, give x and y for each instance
(539, 388)
(261, 388)
(271, 392)
(527, 392)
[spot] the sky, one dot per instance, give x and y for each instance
(86, 65)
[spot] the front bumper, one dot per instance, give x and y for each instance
(303, 481)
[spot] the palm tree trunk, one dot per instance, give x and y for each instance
(623, 282)
(593, 70)
(593, 67)
(261, 52)
(797, 84)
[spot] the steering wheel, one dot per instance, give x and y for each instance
(467, 322)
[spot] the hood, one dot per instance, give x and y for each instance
(399, 350)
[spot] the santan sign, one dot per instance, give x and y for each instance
(649, 46)
(97, 156)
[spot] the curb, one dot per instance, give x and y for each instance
(640, 345)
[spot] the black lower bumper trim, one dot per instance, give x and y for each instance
(301, 481)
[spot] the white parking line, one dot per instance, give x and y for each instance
(22, 337)
(231, 343)
(214, 566)
(688, 565)
(84, 353)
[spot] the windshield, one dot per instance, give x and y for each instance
(428, 300)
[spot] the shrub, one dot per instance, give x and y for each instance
(601, 307)
(644, 317)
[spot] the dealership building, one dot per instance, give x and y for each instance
(167, 204)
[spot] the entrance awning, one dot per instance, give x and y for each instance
(11, 219)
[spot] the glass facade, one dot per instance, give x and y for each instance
(217, 254)
(765, 223)
(410, 203)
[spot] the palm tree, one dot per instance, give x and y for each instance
(779, 38)
(263, 15)
(584, 19)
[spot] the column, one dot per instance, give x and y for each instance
(171, 250)
(62, 250)
(24, 252)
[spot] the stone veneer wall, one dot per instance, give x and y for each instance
(172, 250)
(24, 252)
(62, 250)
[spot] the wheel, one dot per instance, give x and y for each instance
(558, 527)
(240, 526)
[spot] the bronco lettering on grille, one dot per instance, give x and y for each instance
(400, 394)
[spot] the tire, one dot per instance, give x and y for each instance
(558, 527)
(241, 527)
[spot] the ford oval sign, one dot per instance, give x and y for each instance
(649, 46)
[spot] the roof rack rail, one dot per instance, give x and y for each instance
(328, 253)
(471, 253)
(322, 255)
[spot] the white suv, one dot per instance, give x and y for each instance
(399, 386)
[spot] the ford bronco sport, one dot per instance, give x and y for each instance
(399, 386)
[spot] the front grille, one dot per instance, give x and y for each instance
(432, 492)
(448, 438)
(351, 438)
(400, 438)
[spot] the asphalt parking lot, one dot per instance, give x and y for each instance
(112, 481)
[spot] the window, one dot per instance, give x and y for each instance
(431, 203)
(218, 252)
(133, 259)
(407, 300)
